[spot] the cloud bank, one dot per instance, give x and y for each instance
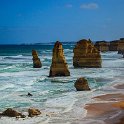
(89, 6)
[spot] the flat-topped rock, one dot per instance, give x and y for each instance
(113, 45)
(121, 46)
(36, 60)
(86, 55)
(102, 46)
(59, 66)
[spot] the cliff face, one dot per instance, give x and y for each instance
(116, 45)
(59, 66)
(36, 60)
(121, 46)
(113, 46)
(102, 46)
(86, 55)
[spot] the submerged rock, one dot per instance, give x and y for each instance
(81, 84)
(59, 66)
(86, 55)
(12, 113)
(36, 60)
(33, 112)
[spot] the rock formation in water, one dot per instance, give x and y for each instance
(12, 113)
(121, 46)
(86, 55)
(36, 60)
(113, 46)
(102, 46)
(59, 66)
(33, 112)
(81, 84)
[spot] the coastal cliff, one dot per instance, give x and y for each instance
(102, 46)
(121, 46)
(116, 45)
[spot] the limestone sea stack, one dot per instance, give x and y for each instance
(59, 66)
(86, 55)
(102, 46)
(36, 60)
(81, 84)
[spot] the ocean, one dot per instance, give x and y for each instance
(54, 95)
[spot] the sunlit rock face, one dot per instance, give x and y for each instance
(59, 66)
(33, 112)
(86, 55)
(36, 60)
(102, 46)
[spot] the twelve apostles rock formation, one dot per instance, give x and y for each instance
(81, 84)
(36, 60)
(86, 55)
(59, 66)
(102, 46)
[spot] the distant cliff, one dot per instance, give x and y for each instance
(116, 45)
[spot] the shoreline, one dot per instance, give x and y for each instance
(108, 108)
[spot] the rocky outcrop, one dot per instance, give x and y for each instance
(121, 46)
(81, 84)
(113, 46)
(33, 112)
(102, 46)
(36, 60)
(59, 66)
(12, 113)
(86, 55)
(29, 94)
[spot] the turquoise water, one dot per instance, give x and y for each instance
(58, 95)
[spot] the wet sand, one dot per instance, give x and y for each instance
(120, 86)
(109, 108)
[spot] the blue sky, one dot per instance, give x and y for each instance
(32, 21)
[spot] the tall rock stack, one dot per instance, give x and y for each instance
(86, 55)
(59, 66)
(102, 46)
(36, 60)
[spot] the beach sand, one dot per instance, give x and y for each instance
(109, 108)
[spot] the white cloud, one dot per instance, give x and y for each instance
(89, 6)
(69, 6)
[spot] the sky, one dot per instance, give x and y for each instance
(37, 21)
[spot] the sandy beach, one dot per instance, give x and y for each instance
(109, 109)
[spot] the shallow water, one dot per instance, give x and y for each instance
(56, 95)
